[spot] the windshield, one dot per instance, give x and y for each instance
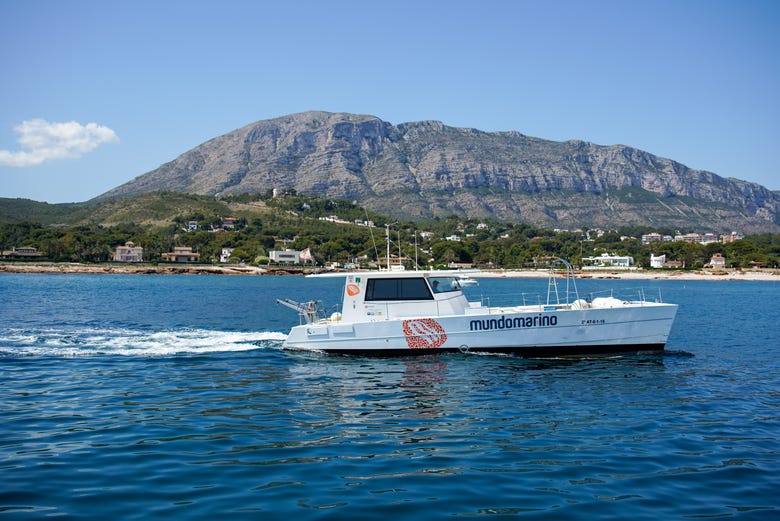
(444, 284)
(397, 289)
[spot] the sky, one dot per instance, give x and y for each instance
(95, 93)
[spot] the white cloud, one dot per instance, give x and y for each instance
(41, 141)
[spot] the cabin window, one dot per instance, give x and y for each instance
(444, 284)
(398, 289)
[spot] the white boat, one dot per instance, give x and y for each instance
(465, 281)
(421, 312)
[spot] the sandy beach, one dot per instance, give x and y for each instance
(754, 275)
(234, 269)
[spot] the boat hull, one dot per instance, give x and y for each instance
(521, 352)
(641, 327)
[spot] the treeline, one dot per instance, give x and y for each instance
(294, 222)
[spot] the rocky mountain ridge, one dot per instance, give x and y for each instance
(427, 169)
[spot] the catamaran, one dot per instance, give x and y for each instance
(398, 312)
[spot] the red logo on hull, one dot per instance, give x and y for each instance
(424, 333)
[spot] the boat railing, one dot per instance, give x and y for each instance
(533, 298)
(636, 295)
(632, 295)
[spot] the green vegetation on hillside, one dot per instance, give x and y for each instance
(16, 210)
(160, 221)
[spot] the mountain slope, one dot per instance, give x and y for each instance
(152, 208)
(427, 169)
(18, 210)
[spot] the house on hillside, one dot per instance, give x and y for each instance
(229, 223)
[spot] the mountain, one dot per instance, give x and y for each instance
(427, 169)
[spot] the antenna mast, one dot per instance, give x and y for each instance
(416, 264)
(387, 226)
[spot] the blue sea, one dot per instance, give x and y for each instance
(161, 397)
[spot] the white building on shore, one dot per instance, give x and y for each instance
(285, 256)
(657, 261)
(605, 260)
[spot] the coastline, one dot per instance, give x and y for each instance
(748, 275)
(131, 269)
(243, 270)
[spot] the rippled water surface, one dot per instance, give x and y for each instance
(143, 397)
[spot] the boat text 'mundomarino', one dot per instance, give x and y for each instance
(513, 323)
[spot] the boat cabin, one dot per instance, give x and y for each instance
(376, 296)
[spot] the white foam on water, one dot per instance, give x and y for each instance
(130, 342)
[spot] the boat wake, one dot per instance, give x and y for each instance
(131, 342)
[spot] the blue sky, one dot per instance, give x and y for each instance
(95, 93)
